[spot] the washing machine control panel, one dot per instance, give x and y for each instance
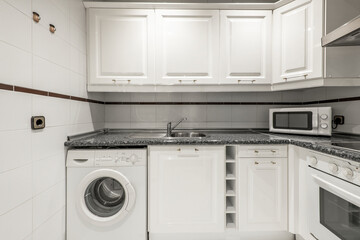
(123, 157)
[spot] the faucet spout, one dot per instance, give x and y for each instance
(170, 128)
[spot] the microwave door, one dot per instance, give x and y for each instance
(299, 121)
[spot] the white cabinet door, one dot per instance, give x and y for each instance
(263, 194)
(121, 46)
(297, 51)
(186, 189)
(245, 47)
(187, 46)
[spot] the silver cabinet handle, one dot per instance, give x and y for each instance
(80, 159)
(121, 80)
(271, 162)
(187, 80)
(251, 81)
(286, 78)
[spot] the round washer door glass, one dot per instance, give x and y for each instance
(105, 196)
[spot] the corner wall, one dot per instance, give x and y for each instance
(40, 74)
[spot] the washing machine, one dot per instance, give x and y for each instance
(106, 194)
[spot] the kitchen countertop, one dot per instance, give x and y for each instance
(121, 138)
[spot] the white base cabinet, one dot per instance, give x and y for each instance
(186, 189)
(262, 188)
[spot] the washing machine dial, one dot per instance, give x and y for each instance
(134, 159)
(348, 173)
(333, 168)
(313, 161)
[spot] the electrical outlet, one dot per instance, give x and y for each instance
(37, 122)
(339, 119)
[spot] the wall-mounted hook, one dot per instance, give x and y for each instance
(52, 28)
(36, 17)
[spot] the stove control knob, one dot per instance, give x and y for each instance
(313, 161)
(134, 159)
(348, 173)
(333, 168)
(324, 116)
(324, 125)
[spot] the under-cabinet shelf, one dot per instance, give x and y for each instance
(231, 186)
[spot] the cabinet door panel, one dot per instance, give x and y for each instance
(186, 190)
(297, 51)
(121, 46)
(294, 47)
(245, 46)
(187, 46)
(263, 194)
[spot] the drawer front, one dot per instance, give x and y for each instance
(264, 151)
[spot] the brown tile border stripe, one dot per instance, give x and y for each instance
(57, 95)
(30, 90)
(63, 96)
(6, 87)
(45, 93)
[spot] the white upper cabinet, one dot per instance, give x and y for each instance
(245, 47)
(187, 46)
(121, 46)
(297, 50)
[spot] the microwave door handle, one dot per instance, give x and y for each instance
(351, 197)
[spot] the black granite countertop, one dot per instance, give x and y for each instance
(136, 138)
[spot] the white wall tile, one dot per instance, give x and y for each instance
(143, 97)
(168, 113)
(48, 142)
(54, 227)
(10, 155)
(218, 113)
(22, 5)
(51, 77)
(48, 203)
(243, 113)
(48, 172)
(19, 36)
(15, 109)
(51, 47)
(16, 67)
(118, 97)
(16, 188)
(168, 97)
(51, 14)
(56, 110)
(77, 13)
(219, 97)
(143, 113)
(118, 113)
(17, 224)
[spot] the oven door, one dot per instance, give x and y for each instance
(334, 207)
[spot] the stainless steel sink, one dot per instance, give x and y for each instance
(187, 135)
(147, 135)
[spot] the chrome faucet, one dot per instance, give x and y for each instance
(170, 128)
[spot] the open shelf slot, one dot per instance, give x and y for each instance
(231, 220)
(230, 153)
(230, 204)
(230, 188)
(230, 171)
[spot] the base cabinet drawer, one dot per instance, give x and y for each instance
(263, 151)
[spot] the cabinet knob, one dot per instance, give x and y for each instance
(36, 17)
(52, 28)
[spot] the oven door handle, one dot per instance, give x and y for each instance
(350, 197)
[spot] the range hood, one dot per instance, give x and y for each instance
(346, 35)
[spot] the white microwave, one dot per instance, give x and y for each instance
(307, 121)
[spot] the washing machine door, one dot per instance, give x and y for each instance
(105, 197)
